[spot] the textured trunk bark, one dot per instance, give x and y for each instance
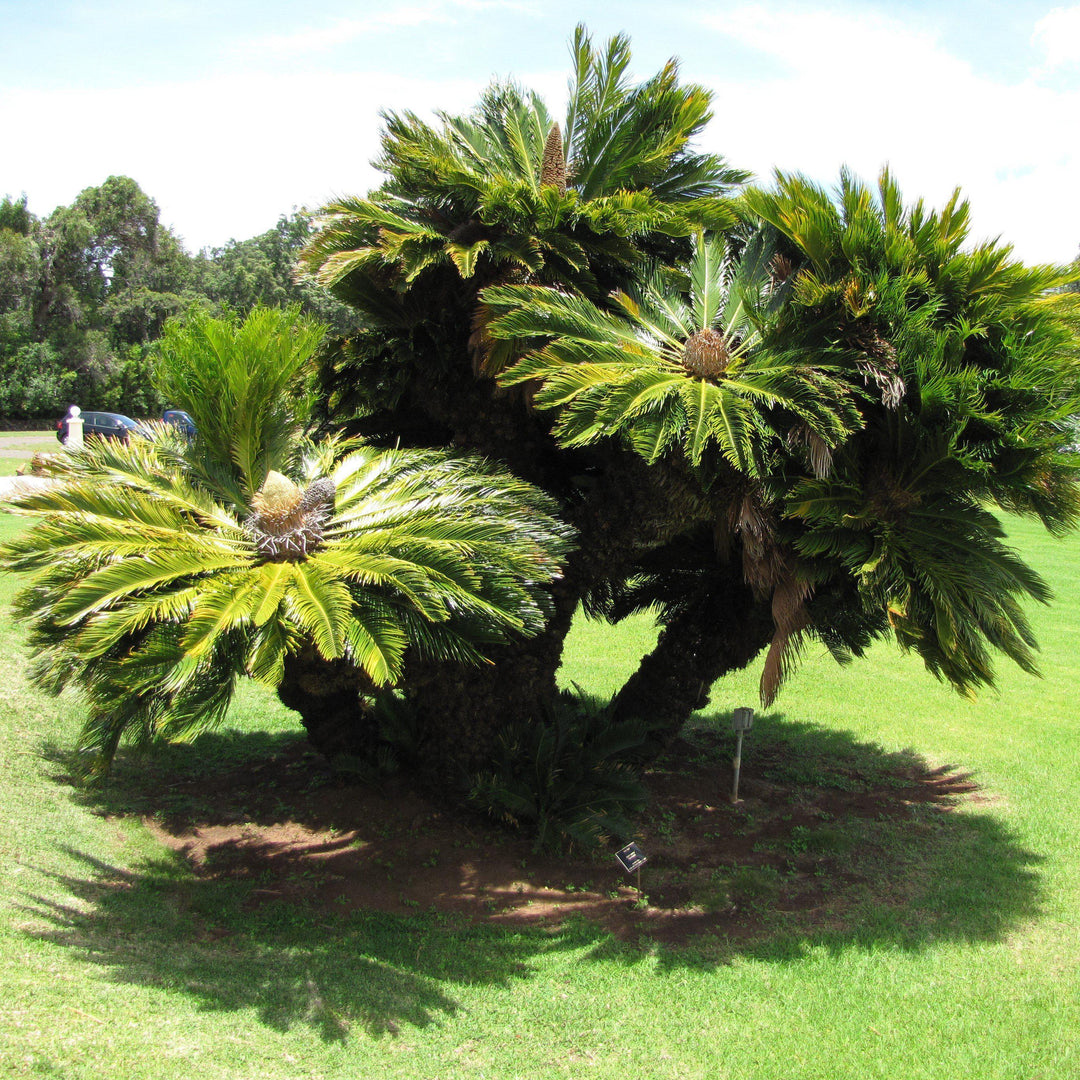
(327, 695)
(462, 711)
(720, 633)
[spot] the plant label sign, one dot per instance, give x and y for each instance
(631, 858)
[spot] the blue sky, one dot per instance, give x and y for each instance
(231, 113)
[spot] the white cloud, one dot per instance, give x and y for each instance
(342, 31)
(398, 16)
(1058, 35)
(222, 158)
(868, 90)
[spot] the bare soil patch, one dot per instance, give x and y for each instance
(802, 851)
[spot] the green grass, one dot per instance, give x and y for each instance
(116, 960)
(18, 447)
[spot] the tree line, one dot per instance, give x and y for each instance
(86, 291)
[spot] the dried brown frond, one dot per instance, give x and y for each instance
(879, 366)
(781, 269)
(818, 452)
(755, 526)
(771, 571)
(791, 619)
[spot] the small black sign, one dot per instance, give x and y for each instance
(631, 857)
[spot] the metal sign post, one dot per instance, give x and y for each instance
(742, 720)
(631, 858)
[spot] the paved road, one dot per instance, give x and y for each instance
(26, 442)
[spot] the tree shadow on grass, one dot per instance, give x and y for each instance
(839, 844)
(320, 902)
(156, 925)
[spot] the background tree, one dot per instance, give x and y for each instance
(262, 271)
(32, 377)
(85, 294)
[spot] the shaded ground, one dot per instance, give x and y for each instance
(826, 831)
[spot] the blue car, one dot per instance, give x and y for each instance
(181, 420)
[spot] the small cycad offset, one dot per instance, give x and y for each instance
(164, 572)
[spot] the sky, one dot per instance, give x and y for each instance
(231, 113)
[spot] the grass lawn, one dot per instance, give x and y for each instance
(116, 959)
(18, 447)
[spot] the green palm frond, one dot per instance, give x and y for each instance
(151, 596)
(619, 135)
(321, 606)
(377, 638)
(949, 585)
(968, 384)
(633, 375)
(463, 203)
(708, 294)
(246, 427)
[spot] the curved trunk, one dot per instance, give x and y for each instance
(622, 509)
(720, 633)
(327, 695)
(462, 711)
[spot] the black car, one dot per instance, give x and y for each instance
(181, 420)
(102, 425)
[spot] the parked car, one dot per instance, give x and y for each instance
(181, 420)
(102, 425)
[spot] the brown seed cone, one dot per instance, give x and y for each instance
(276, 501)
(319, 495)
(287, 524)
(705, 354)
(553, 164)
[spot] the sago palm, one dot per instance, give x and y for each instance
(162, 574)
(907, 382)
(689, 371)
(969, 379)
(501, 187)
(499, 195)
(682, 365)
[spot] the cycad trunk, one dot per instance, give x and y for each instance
(622, 509)
(463, 711)
(328, 696)
(459, 713)
(720, 633)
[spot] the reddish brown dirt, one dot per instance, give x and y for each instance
(787, 851)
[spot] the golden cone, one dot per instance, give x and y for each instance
(553, 164)
(705, 354)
